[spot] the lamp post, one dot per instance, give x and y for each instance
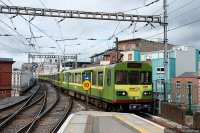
(77, 59)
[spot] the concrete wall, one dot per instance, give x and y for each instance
(156, 77)
(16, 77)
(185, 60)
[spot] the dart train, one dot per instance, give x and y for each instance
(117, 87)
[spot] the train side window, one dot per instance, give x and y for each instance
(83, 76)
(58, 77)
(66, 77)
(134, 77)
(108, 77)
(93, 78)
(79, 78)
(76, 78)
(72, 77)
(100, 78)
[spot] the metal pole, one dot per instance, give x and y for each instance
(189, 100)
(29, 57)
(64, 56)
(86, 100)
(117, 49)
(165, 51)
(76, 61)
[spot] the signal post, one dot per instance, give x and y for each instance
(86, 86)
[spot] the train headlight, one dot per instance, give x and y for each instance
(147, 93)
(121, 93)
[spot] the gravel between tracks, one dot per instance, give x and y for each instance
(49, 120)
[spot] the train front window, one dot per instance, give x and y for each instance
(145, 77)
(121, 77)
(134, 77)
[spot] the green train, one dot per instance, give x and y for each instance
(116, 87)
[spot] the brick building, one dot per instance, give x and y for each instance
(141, 45)
(137, 45)
(5, 76)
(180, 88)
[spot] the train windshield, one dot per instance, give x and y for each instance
(145, 77)
(134, 77)
(121, 77)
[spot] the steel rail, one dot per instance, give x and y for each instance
(38, 113)
(43, 113)
(18, 111)
(65, 115)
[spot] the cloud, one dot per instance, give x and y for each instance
(85, 29)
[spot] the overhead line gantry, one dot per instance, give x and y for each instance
(120, 16)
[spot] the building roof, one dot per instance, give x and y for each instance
(188, 75)
(6, 60)
(144, 40)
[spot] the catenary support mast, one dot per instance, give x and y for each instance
(165, 51)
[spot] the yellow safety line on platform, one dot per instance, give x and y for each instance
(140, 129)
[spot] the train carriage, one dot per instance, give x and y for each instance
(121, 86)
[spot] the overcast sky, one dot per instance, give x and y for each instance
(180, 13)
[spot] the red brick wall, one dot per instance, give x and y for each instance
(184, 90)
(5, 77)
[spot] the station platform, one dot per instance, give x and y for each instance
(108, 122)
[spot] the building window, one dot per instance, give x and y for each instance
(178, 84)
(148, 58)
(160, 70)
(178, 97)
(129, 56)
(189, 84)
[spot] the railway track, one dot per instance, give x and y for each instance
(24, 114)
(51, 119)
(44, 112)
(9, 110)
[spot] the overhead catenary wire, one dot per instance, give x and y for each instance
(140, 6)
(175, 28)
(12, 48)
(5, 31)
(162, 8)
(181, 7)
(57, 22)
(16, 32)
(172, 11)
(178, 16)
(37, 28)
